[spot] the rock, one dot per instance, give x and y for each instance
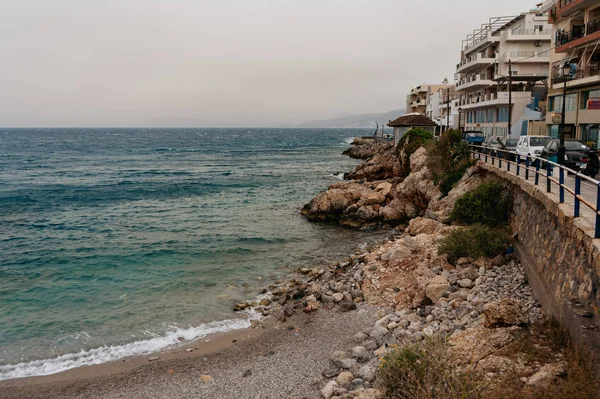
(428, 331)
(265, 302)
(465, 283)
(346, 364)
(153, 358)
(338, 297)
(370, 344)
(356, 383)
(505, 312)
(206, 378)
(375, 198)
(360, 337)
(436, 288)
(346, 306)
(367, 373)
(392, 325)
(327, 391)
(384, 188)
(423, 226)
(311, 307)
(330, 372)
(546, 375)
(241, 306)
(378, 331)
(360, 353)
(247, 373)
(344, 379)
(498, 260)
(188, 350)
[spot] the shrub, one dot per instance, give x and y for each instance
(487, 204)
(414, 139)
(454, 136)
(475, 241)
(449, 159)
(421, 371)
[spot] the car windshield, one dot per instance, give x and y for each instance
(511, 143)
(539, 141)
(474, 134)
(573, 145)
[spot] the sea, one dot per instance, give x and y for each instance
(121, 242)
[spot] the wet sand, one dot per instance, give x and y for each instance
(261, 363)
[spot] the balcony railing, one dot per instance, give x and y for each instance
(586, 72)
(579, 31)
(522, 32)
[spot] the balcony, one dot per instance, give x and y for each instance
(474, 63)
(526, 56)
(493, 100)
(474, 82)
(479, 43)
(583, 76)
(529, 35)
(579, 35)
(568, 7)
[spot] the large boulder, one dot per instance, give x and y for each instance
(436, 288)
(502, 313)
(421, 225)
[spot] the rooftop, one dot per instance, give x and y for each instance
(410, 120)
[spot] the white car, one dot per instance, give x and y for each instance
(532, 145)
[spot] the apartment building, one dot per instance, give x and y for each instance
(439, 104)
(510, 53)
(418, 98)
(577, 42)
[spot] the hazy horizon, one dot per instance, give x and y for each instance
(226, 63)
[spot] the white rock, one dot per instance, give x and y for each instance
(392, 325)
(367, 373)
(378, 331)
(327, 392)
(344, 379)
(338, 297)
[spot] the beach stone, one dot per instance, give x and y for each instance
(241, 306)
(465, 283)
(327, 391)
(378, 331)
(346, 363)
(370, 344)
(505, 312)
(153, 358)
(265, 302)
(206, 378)
(338, 297)
(344, 379)
(367, 373)
(356, 383)
(360, 353)
(330, 372)
(188, 350)
(436, 288)
(360, 337)
(247, 373)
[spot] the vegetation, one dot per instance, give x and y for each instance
(487, 204)
(421, 372)
(412, 140)
(449, 159)
(475, 241)
(424, 370)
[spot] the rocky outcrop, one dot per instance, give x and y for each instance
(384, 164)
(366, 148)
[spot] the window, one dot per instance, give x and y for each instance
(502, 115)
(570, 105)
(490, 117)
(590, 95)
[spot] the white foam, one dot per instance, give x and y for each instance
(111, 353)
(349, 140)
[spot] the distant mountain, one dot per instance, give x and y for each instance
(356, 121)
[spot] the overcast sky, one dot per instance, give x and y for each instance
(224, 62)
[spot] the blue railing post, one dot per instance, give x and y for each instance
(537, 171)
(577, 193)
(500, 159)
(518, 164)
(527, 167)
(485, 157)
(597, 234)
(548, 174)
(508, 163)
(561, 181)
(493, 159)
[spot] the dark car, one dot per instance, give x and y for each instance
(578, 156)
(509, 144)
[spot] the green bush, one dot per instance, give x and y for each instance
(488, 204)
(421, 372)
(414, 139)
(449, 159)
(475, 242)
(454, 136)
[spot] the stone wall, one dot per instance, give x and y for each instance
(559, 253)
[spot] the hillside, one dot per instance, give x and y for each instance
(355, 121)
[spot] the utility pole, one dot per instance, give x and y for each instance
(448, 115)
(509, 97)
(561, 134)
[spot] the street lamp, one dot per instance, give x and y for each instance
(565, 72)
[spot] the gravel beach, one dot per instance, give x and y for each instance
(272, 364)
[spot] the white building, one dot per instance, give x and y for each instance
(515, 49)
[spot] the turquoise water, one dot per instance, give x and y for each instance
(116, 242)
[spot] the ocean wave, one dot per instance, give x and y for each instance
(175, 337)
(338, 175)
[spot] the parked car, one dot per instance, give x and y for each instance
(491, 144)
(509, 144)
(532, 145)
(474, 137)
(578, 156)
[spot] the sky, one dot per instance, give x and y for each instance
(205, 63)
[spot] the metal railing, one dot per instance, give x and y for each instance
(533, 168)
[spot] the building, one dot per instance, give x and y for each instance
(408, 121)
(505, 54)
(418, 98)
(577, 42)
(437, 108)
